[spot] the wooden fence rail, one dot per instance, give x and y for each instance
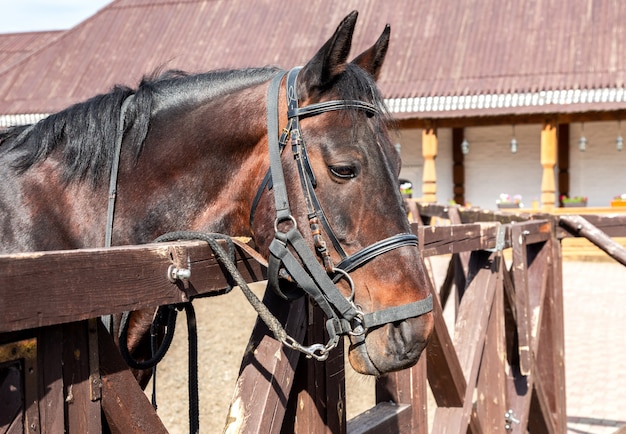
(48, 288)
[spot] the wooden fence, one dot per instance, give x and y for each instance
(60, 370)
(503, 369)
(499, 369)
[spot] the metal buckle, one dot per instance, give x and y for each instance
(280, 220)
(350, 282)
(357, 329)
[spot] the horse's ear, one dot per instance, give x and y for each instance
(330, 60)
(371, 60)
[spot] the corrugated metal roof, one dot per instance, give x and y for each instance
(15, 46)
(457, 51)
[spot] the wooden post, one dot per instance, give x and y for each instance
(407, 388)
(267, 371)
(318, 395)
(458, 169)
(548, 161)
(126, 407)
(82, 414)
(563, 159)
(429, 177)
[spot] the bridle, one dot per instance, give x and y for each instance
(344, 317)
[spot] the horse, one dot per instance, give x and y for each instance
(190, 151)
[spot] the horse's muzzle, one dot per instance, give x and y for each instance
(391, 347)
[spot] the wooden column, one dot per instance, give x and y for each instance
(563, 160)
(548, 161)
(458, 169)
(429, 177)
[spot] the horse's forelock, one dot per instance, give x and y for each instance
(356, 84)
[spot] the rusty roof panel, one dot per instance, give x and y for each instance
(16, 46)
(439, 48)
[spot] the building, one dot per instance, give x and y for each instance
(543, 72)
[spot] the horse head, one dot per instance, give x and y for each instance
(341, 182)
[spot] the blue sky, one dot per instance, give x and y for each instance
(35, 15)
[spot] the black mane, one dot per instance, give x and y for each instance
(86, 132)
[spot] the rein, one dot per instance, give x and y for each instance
(115, 170)
(107, 320)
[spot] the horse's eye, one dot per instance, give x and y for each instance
(343, 172)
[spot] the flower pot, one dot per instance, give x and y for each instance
(618, 202)
(574, 204)
(508, 205)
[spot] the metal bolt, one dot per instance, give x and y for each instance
(174, 273)
(509, 419)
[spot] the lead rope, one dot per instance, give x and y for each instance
(234, 277)
(166, 316)
(192, 339)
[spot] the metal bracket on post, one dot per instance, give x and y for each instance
(500, 238)
(179, 271)
(509, 419)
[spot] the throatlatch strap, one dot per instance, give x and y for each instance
(114, 171)
(107, 320)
